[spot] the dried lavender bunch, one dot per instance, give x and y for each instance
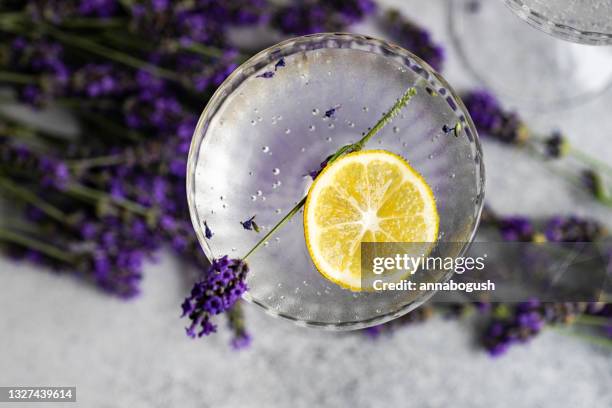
(134, 74)
(512, 324)
(522, 322)
(493, 121)
(308, 17)
(57, 10)
(554, 229)
(413, 37)
(509, 324)
(129, 75)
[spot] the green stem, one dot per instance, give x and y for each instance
(88, 163)
(205, 50)
(31, 198)
(88, 22)
(282, 222)
(17, 78)
(127, 40)
(570, 150)
(589, 160)
(23, 240)
(387, 117)
(95, 196)
(31, 137)
(112, 127)
(109, 53)
(600, 341)
(573, 179)
(83, 103)
(593, 320)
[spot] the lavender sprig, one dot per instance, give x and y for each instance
(128, 74)
(320, 15)
(553, 229)
(414, 38)
(216, 293)
(507, 127)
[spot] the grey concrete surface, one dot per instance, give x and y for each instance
(56, 331)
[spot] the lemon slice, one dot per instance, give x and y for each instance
(367, 196)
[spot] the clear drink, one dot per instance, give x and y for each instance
(278, 117)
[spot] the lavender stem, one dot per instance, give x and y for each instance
(14, 237)
(17, 78)
(95, 196)
(31, 198)
(109, 53)
(585, 158)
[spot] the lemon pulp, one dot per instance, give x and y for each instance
(367, 196)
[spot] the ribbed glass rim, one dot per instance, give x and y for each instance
(309, 43)
(557, 29)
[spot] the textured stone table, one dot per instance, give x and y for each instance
(56, 331)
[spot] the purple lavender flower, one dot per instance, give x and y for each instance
(555, 145)
(194, 27)
(241, 341)
(315, 173)
(484, 109)
(203, 21)
(220, 289)
(202, 72)
(304, 19)
(150, 109)
(250, 224)
(207, 231)
(43, 60)
(414, 38)
(100, 80)
(594, 184)
(516, 229)
(320, 16)
(52, 172)
(57, 11)
(573, 229)
(491, 120)
(331, 112)
(280, 64)
(119, 274)
(266, 75)
(352, 11)
(51, 10)
(98, 8)
(524, 322)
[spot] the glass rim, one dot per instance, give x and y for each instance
(263, 59)
(557, 29)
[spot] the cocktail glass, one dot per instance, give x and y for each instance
(536, 71)
(273, 122)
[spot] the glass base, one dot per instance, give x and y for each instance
(522, 64)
